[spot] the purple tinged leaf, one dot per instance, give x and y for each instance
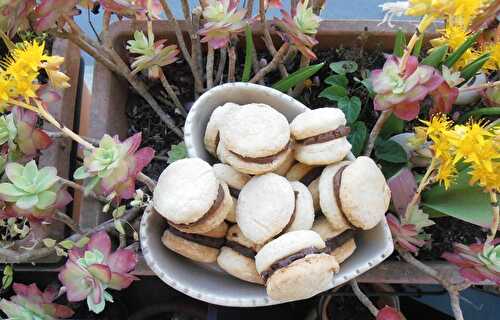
(122, 261)
(403, 186)
(100, 241)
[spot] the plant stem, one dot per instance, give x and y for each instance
(210, 67)
(363, 298)
(196, 44)
(249, 9)
(480, 86)
(67, 220)
(59, 134)
(232, 64)
(80, 188)
(496, 218)
(272, 65)
(416, 197)
(422, 26)
(182, 44)
(222, 65)
(268, 41)
(186, 11)
(297, 91)
(150, 183)
(375, 131)
(171, 93)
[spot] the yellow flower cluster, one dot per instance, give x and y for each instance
(465, 9)
(19, 71)
(473, 144)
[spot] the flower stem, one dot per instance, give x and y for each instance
(232, 64)
(480, 86)
(422, 26)
(222, 65)
(496, 218)
(384, 116)
(272, 65)
(171, 93)
(426, 179)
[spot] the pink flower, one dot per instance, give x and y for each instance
(388, 313)
(30, 301)
(404, 234)
(402, 93)
(90, 271)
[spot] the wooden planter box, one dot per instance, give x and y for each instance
(59, 154)
(110, 94)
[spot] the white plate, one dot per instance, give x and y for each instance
(208, 282)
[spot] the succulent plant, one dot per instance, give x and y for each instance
(114, 166)
(389, 313)
(406, 235)
(32, 192)
(30, 303)
(49, 13)
(299, 28)
(124, 8)
(477, 262)
(402, 93)
(14, 15)
(151, 54)
(224, 21)
(8, 130)
(443, 98)
(90, 271)
(30, 139)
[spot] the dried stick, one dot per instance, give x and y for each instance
(186, 11)
(363, 298)
(268, 41)
(67, 220)
(222, 65)
(272, 65)
(232, 64)
(453, 289)
(80, 188)
(196, 44)
(29, 256)
(182, 44)
(496, 218)
(376, 130)
(171, 93)
(59, 135)
(249, 9)
(317, 6)
(210, 67)
(150, 183)
(426, 179)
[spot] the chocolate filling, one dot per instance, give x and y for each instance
(234, 192)
(340, 132)
(213, 209)
(266, 159)
(241, 249)
(311, 175)
(286, 261)
(337, 181)
(216, 243)
(292, 218)
(336, 242)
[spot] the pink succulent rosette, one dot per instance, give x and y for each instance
(29, 301)
(29, 139)
(51, 12)
(403, 93)
(90, 271)
(443, 99)
(404, 234)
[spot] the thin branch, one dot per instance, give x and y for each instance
(182, 44)
(171, 93)
(67, 220)
(123, 241)
(106, 19)
(59, 135)
(150, 183)
(268, 41)
(232, 64)
(196, 44)
(496, 218)
(186, 11)
(210, 67)
(384, 116)
(272, 65)
(363, 298)
(426, 179)
(222, 65)
(81, 188)
(249, 9)
(480, 86)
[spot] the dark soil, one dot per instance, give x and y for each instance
(347, 307)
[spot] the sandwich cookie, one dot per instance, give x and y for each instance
(212, 137)
(321, 136)
(293, 266)
(354, 194)
(339, 243)
(303, 213)
(256, 138)
(308, 175)
(190, 197)
(285, 167)
(198, 247)
(235, 181)
(237, 256)
(265, 207)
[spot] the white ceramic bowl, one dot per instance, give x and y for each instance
(207, 282)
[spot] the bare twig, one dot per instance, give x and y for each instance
(171, 93)
(59, 134)
(268, 41)
(67, 220)
(150, 183)
(317, 6)
(426, 179)
(249, 8)
(32, 255)
(384, 116)
(182, 44)
(496, 217)
(222, 65)
(363, 298)
(80, 188)
(186, 11)
(272, 65)
(106, 19)
(123, 240)
(232, 64)
(196, 44)
(210, 67)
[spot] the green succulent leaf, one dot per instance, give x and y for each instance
(10, 192)
(119, 226)
(47, 177)
(343, 67)
(491, 257)
(338, 79)
(27, 202)
(392, 126)
(46, 199)
(49, 243)
(92, 183)
(333, 93)
(390, 151)
(351, 108)
(247, 69)
(418, 46)
(297, 77)
(357, 137)
(472, 68)
(81, 173)
(436, 56)
(67, 244)
(140, 44)
(30, 170)
(488, 111)
(8, 276)
(399, 43)
(177, 152)
(459, 52)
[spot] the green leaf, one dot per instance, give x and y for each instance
(82, 242)
(119, 226)
(49, 243)
(472, 68)
(338, 79)
(297, 77)
(67, 244)
(81, 173)
(351, 108)
(461, 200)
(367, 84)
(8, 276)
(389, 169)
(420, 219)
(390, 151)
(248, 54)
(457, 54)
(436, 56)
(30, 170)
(333, 92)
(46, 178)
(399, 43)
(489, 111)
(357, 137)
(392, 126)
(418, 46)
(118, 212)
(343, 67)
(46, 199)
(10, 192)
(27, 202)
(91, 184)
(177, 152)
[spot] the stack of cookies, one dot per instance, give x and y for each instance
(282, 206)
